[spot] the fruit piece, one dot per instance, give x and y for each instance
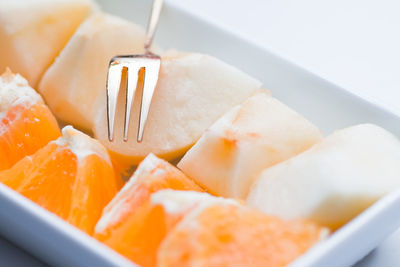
(78, 76)
(255, 135)
(193, 91)
(32, 33)
(153, 174)
(26, 123)
(333, 181)
(233, 235)
(71, 177)
(143, 229)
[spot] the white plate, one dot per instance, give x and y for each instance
(328, 106)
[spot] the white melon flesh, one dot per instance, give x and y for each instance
(73, 83)
(177, 201)
(32, 33)
(253, 136)
(193, 91)
(335, 180)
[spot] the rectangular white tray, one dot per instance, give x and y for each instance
(328, 106)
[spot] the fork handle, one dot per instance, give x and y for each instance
(151, 28)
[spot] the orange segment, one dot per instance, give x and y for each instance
(236, 236)
(71, 177)
(26, 123)
(140, 234)
(29, 177)
(24, 131)
(152, 175)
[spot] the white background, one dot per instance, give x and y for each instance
(353, 43)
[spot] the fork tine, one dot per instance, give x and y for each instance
(133, 74)
(150, 81)
(113, 84)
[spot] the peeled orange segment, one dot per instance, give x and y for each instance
(249, 138)
(71, 177)
(335, 180)
(152, 175)
(139, 235)
(32, 33)
(73, 83)
(193, 91)
(26, 124)
(232, 235)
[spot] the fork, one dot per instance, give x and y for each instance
(150, 64)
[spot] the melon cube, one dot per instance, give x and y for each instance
(76, 79)
(193, 91)
(253, 136)
(32, 33)
(335, 180)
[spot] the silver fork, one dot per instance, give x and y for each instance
(134, 63)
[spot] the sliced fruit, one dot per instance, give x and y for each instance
(71, 177)
(193, 91)
(140, 233)
(152, 175)
(255, 135)
(234, 235)
(26, 123)
(32, 33)
(73, 83)
(333, 181)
